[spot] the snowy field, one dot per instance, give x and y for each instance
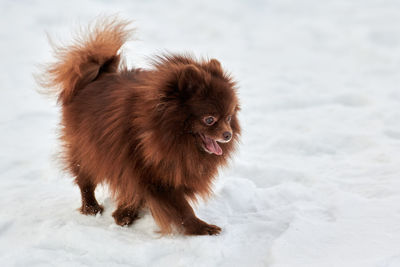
(317, 178)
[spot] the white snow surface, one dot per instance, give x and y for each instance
(315, 181)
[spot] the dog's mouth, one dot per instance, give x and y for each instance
(210, 145)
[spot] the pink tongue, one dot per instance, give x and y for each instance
(212, 146)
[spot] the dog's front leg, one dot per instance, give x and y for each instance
(170, 207)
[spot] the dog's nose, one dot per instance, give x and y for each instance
(227, 136)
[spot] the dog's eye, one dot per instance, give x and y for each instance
(229, 118)
(210, 120)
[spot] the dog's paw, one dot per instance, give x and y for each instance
(198, 227)
(91, 209)
(211, 229)
(124, 217)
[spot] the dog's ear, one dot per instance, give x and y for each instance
(189, 78)
(214, 67)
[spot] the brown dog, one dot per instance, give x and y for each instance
(156, 137)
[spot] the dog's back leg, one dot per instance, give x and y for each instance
(127, 214)
(90, 206)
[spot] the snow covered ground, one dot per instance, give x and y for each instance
(317, 179)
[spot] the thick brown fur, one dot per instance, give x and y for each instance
(140, 131)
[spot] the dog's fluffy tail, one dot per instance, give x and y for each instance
(94, 51)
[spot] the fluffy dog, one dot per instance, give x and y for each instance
(156, 136)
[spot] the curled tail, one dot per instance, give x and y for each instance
(93, 52)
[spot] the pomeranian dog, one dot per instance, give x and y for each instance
(156, 136)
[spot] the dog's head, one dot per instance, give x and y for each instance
(212, 106)
(206, 105)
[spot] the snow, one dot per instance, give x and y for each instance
(316, 181)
